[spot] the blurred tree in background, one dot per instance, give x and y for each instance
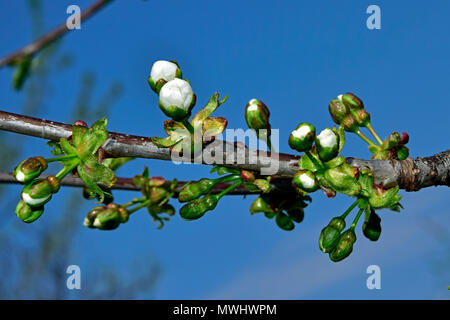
(33, 264)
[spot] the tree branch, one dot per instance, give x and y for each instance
(278, 185)
(410, 174)
(50, 37)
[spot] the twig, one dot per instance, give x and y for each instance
(50, 37)
(410, 174)
(278, 185)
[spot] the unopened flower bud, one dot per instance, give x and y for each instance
(198, 207)
(405, 138)
(352, 101)
(38, 192)
(330, 234)
(195, 189)
(29, 169)
(257, 115)
(26, 213)
(403, 153)
(344, 246)
(394, 140)
(176, 99)
(247, 176)
(372, 226)
(162, 72)
(350, 124)
(260, 205)
(306, 180)
(338, 110)
(327, 143)
(302, 138)
(107, 217)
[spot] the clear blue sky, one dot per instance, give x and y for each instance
(295, 56)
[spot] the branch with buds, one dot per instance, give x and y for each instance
(90, 155)
(409, 174)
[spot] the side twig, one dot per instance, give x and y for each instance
(50, 37)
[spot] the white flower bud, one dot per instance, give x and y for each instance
(162, 72)
(176, 99)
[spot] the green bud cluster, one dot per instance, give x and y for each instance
(196, 207)
(286, 210)
(176, 101)
(393, 147)
(348, 111)
(81, 154)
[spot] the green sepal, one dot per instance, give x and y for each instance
(341, 134)
(305, 162)
(335, 162)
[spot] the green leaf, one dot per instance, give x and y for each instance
(342, 182)
(93, 139)
(213, 126)
(306, 163)
(211, 106)
(77, 134)
(66, 147)
(335, 162)
(115, 163)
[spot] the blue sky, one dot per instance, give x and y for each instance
(295, 56)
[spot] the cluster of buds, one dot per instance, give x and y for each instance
(321, 156)
(394, 147)
(348, 111)
(36, 192)
(336, 242)
(286, 210)
(176, 100)
(196, 207)
(176, 97)
(107, 217)
(191, 192)
(257, 117)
